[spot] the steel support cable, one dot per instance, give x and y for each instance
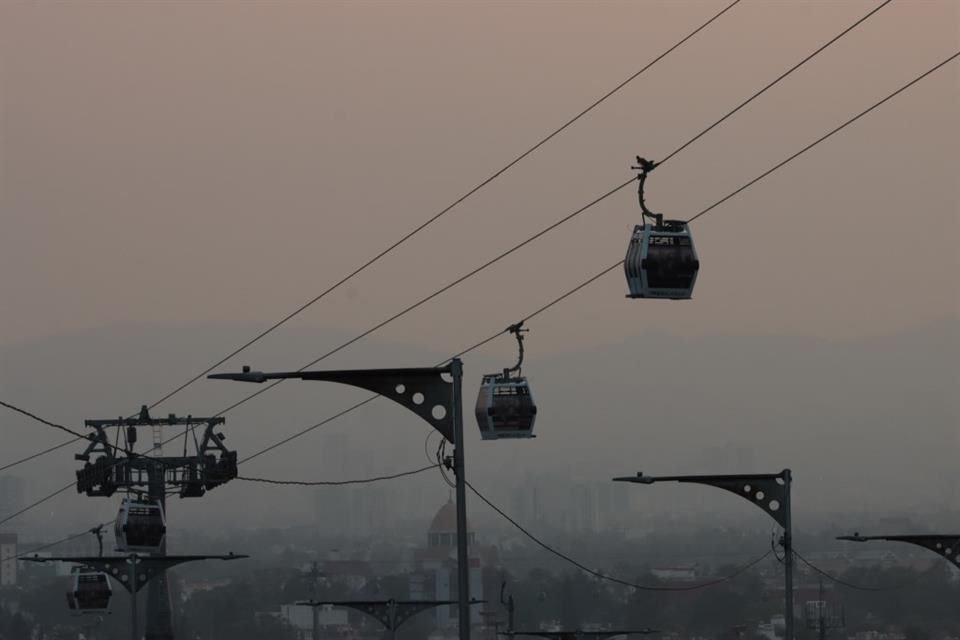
(33, 416)
(844, 583)
(701, 213)
(438, 292)
(445, 210)
(340, 414)
(783, 75)
(370, 399)
(37, 503)
(79, 436)
(828, 135)
(602, 576)
(679, 149)
(33, 552)
(689, 142)
(338, 483)
(37, 454)
(619, 263)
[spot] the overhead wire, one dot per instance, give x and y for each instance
(483, 342)
(32, 552)
(38, 454)
(564, 219)
(701, 213)
(775, 81)
(79, 436)
(29, 414)
(597, 574)
(620, 262)
(828, 135)
(516, 247)
(36, 503)
(446, 209)
(845, 583)
(338, 483)
(436, 293)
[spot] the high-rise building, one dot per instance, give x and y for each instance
(435, 573)
(8, 559)
(11, 495)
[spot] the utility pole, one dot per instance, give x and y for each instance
(110, 467)
(822, 617)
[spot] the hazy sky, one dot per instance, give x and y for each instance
(199, 164)
(223, 162)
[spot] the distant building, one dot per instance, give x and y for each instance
(11, 495)
(8, 559)
(435, 573)
(300, 618)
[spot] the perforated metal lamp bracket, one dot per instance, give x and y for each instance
(426, 391)
(768, 491)
(145, 568)
(946, 546)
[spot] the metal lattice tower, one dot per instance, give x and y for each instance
(205, 464)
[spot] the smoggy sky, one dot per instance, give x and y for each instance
(224, 162)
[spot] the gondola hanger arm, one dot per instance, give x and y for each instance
(644, 167)
(518, 331)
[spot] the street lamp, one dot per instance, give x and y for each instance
(768, 491)
(945, 545)
(435, 395)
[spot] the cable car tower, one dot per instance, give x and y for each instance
(661, 261)
(205, 463)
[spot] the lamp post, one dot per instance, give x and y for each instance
(435, 395)
(768, 491)
(945, 545)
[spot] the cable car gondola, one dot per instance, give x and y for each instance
(91, 591)
(140, 525)
(661, 260)
(505, 407)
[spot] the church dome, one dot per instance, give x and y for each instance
(443, 528)
(445, 519)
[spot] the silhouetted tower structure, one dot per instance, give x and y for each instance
(117, 467)
(822, 618)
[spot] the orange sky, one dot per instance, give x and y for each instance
(224, 162)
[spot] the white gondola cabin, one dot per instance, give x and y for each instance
(661, 261)
(505, 407)
(91, 591)
(140, 526)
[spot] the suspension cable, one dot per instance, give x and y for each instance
(701, 213)
(451, 285)
(445, 210)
